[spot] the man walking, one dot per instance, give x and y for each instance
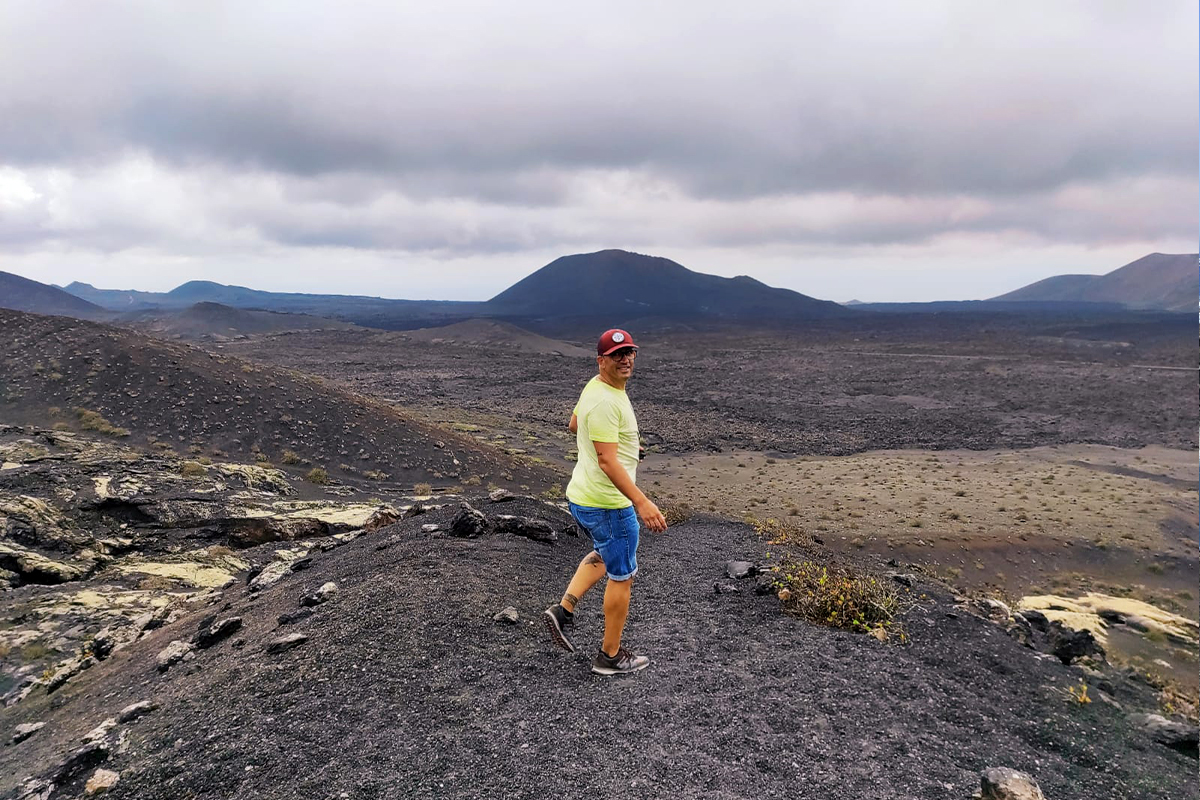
(605, 501)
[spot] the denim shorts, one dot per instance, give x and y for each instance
(614, 533)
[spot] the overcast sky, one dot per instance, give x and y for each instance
(877, 151)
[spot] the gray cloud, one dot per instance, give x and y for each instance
(215, 129)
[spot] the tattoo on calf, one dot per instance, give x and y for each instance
(593, 558)
(572, 599)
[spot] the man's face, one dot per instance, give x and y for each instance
(617, 366)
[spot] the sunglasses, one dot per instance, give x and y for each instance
(623, 353)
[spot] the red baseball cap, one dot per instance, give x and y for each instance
(612, 340)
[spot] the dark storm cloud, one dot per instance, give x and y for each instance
(932, 112)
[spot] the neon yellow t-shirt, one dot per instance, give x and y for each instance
(603, 414)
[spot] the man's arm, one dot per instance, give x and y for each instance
(606, 455)
(573, 425)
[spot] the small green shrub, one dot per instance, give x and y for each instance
(93, 421)
(555, 492)
(318, 476)
(839, 597)
(676, 513)
(422, 489)
(290, 457)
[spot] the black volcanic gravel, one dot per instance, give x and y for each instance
(406, 688)
(819, 390)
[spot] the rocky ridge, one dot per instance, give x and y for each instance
(401, 654)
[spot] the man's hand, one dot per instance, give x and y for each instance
(651, 516)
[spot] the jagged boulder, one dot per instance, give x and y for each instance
(101, 781)
(33, 567)
(24, 731)
(213, 630)
(285, 643)
(324, 593)
(1070, 645)
(1178, 736)
(134, 710)
(286, 561)
(740, 569)
(1002, 783)
(382, 517)
(535, 529)
(174, 653)
(468, 523)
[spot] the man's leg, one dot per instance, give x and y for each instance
(616, 610)
(589, 571)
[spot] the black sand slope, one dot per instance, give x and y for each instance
(407, 688)
(175, 396)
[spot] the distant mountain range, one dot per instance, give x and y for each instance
(371, 311)
(1157, 281)
(22, 294)
(207, 320)
(614, 287)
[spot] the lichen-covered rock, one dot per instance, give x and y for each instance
(1003, 783)
(134, 710)
(24, 731)
(285, 643)
(321, 595)
(34, 567)
(66, 670)
(286, 561)
(101, 781)
(174, 653)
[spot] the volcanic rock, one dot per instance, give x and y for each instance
(468, 523)
(174, 653)
(285, 643)
(134, 710)
(740, 569)
(1070, 645)
(1002, 783)
(507, 614)
(24, 731)
(535, 529)
(217, 630)
(325, 592)
(1178, 736)
(101, 781)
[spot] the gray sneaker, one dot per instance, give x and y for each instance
(624, 661)
(556, 618)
